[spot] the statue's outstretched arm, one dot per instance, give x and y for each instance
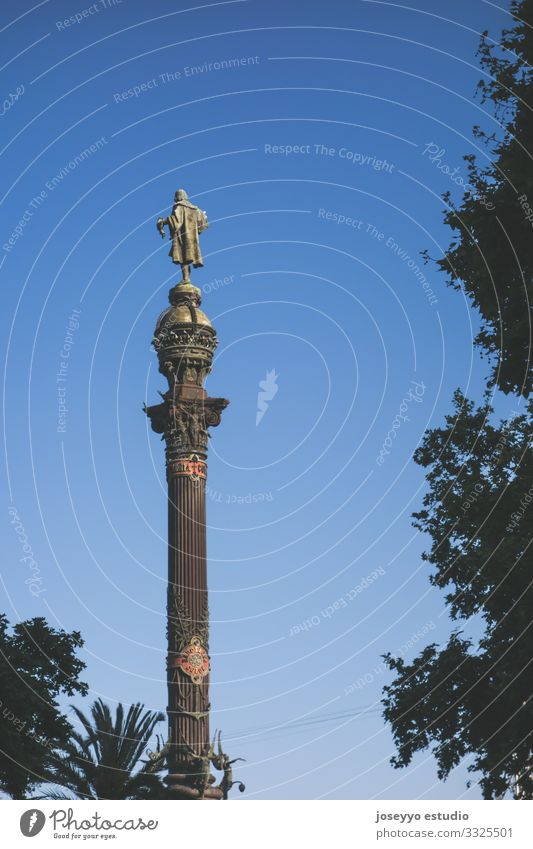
(160, 224)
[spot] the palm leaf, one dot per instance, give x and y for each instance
(105, 762)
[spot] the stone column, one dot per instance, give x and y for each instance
(185, 341)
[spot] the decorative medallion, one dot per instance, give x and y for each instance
(194, 661)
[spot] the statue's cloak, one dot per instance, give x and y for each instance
(186, 222)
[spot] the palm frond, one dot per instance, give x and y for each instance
(105, 762)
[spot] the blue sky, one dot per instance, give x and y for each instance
(319, 138)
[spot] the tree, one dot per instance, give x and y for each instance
(37, 664)
(105, 762)
(491, 254)
(475, 696)
(471, 697)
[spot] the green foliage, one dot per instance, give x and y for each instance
(466, 698)
(478, 511)
(106, 761)
(37, 664)
(491, 254)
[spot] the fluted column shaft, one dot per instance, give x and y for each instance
(188, 702)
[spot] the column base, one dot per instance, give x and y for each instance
(179, 789)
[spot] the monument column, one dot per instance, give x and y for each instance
(185, 340)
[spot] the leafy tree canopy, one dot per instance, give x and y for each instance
(37, 664)
(475, 698)
(491, 254)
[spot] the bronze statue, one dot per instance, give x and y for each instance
(185, 223)
(157, 758)
(222, 762)
(202, 770)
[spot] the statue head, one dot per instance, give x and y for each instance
(180, 195)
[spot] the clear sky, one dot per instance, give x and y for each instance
(319, 137)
